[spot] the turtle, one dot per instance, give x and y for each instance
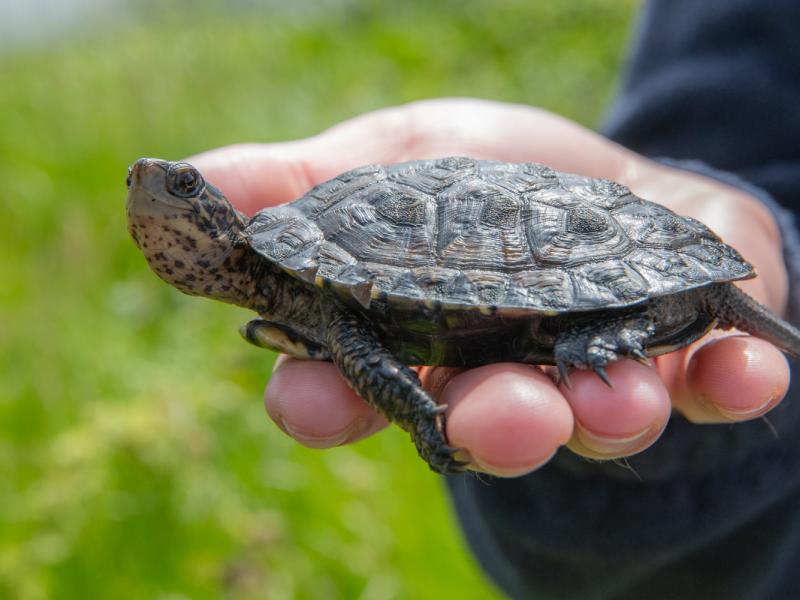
(451, 261)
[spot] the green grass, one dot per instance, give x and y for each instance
(135, 457)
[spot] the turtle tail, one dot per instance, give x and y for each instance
(733, 308)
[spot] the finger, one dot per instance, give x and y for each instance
(619, 421)
(313, 404)
(510, 132)
(508, 418)
(258, 175)
(733, 378)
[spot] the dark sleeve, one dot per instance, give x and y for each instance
(712, 511)
(717, 81)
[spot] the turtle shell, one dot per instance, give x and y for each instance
(458, 232)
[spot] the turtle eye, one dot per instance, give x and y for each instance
(184, 181)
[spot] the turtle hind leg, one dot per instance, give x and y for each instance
(595, 345)
(273, 336)
(734, 308)
(390, 387)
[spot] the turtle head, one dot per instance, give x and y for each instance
(188, 231)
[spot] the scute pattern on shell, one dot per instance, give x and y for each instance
(464, 232)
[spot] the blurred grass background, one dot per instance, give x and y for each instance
(135, 457)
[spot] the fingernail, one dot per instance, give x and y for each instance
(749, 413)
(350, 433)
(476, 464)
(615, 445)
(462, 455)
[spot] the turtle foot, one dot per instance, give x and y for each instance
(431, 442)
(593, 346)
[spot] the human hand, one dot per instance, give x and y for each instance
(511, 418)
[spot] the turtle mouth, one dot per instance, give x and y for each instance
(141, 199)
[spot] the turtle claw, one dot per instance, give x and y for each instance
(431, 441)
(457, 467)
(640, 356)
(563, 375)
(438, 421)
(438, 414)
(601, 373)
(442, 460)
(454, 467)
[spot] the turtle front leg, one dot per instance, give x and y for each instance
(595, 345)
(389, 386)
